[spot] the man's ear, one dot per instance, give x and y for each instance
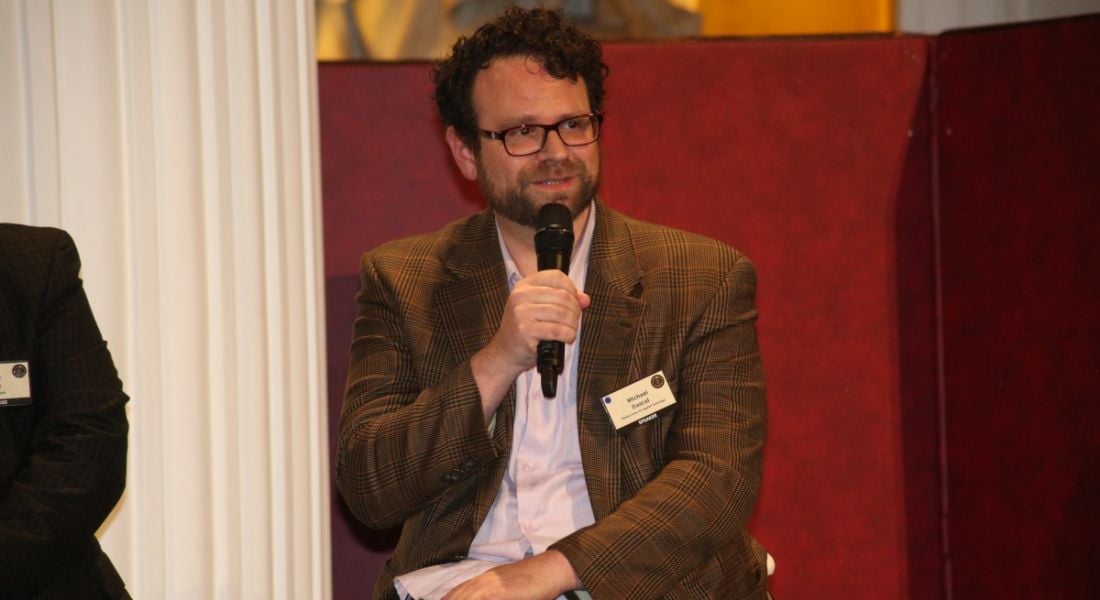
(464, 155)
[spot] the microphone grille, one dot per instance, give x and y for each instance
(555, 216)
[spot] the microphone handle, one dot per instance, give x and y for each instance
(551, 361)
(553, 260)
(551, 354)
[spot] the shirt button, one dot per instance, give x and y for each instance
(528, 467)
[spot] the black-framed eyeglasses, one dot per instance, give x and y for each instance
(530, 138)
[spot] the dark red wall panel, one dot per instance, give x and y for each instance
(811, 156)
(822, 160)
(1019, 131)
(385, 167)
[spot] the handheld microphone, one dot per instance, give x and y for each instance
(553, 246)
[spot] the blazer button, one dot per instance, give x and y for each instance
(470, 463)
(448, 477)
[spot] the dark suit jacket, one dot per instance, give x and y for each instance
(671, 497)
(63, 457)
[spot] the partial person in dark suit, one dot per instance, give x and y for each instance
(62, 424)
(506, 493)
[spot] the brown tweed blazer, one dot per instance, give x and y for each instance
(671, 497)
(62, 457)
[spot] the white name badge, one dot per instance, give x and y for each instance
(639, 402)
(15, 383)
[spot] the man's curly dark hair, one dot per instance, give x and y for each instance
(564, 51)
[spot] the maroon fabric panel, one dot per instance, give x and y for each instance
(1019, 128)
(810, 156)
(385, 169)
(795, 152)
(917, 364)
(384, 175)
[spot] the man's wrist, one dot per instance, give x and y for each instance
(562, 571)
(493, 379)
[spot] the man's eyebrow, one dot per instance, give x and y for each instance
(513, 123)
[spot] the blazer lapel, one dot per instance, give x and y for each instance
(472, 301)
(608, 333)
(470, 306)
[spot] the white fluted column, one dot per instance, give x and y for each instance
(176, 140)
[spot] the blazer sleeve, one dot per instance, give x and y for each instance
(74, 470)
(701, 499)
(402, 443)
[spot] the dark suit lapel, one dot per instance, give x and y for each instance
(607, 342)
(10, 330)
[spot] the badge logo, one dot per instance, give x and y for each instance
(19, 371)
(657, 381)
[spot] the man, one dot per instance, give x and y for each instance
(505, 493)
(62, 424)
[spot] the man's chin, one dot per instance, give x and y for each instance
(572, 200)
(523, 209)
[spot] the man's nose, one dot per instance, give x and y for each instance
(554, 147)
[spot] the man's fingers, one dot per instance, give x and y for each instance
(564, 314)
(542, 294)
(547, 331)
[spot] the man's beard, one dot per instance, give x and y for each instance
(519, 206)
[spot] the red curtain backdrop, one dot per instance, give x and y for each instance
(1018, 126)
(821, 159)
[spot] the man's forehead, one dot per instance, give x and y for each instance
(523, 80)
(518, 66)
(517, 89)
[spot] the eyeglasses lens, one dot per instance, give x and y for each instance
(575, 131)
